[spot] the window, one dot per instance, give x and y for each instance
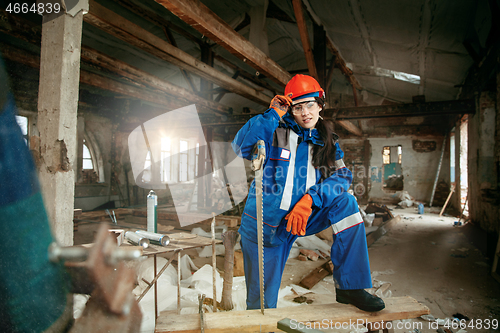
(87, 158)
(386, 155)
(92, 166)
(23, 123)
(393, 174)
(183, 160)
(166, 163)
(146, 176)
(196, 159)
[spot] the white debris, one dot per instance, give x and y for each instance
(206, 251)
(313, 243)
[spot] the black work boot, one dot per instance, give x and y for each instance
(360, 299)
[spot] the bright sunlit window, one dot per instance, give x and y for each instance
(183, 160)
(166, 163)
(23, 123)
(87, 158)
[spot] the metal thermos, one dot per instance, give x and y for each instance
(152, 203)
(137, 239)
(155, 238)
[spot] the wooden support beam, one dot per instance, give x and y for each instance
(253, 321)
(28, 32)
(403, 110)
(143, 79)
(340, 63)
(186, 75)
(319, 40)
(105, 83)
(304, 37)
(350, 127)
(210, 25)
(154, 17)
(247, 76)
(119, 27)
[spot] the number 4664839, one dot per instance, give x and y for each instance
(40, 8)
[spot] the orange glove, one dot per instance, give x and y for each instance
(297, 218)
(281, 104)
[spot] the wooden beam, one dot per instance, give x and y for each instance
(161, 21)
(304, 37)
(340, 63)
(31, 33)
(210, 25)
(119, 27)
(403, 110)
(141, 93)
(247, 76)
(319, 41)
(140, 78)
(382, 230)
(186, 75)
(253, 321)
(350, 127)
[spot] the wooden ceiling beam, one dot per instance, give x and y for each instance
(141, 78)
(340, 64)
(137, 92)
(304, 37)
(403, 110)
(245, 75)
(210, 25)
(350, 127)
(30, 33)
(119, 27)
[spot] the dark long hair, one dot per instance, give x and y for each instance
(323, 157)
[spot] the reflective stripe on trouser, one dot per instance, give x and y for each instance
(349, 252)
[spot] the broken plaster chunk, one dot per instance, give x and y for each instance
(310, 254)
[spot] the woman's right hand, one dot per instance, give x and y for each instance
(280, 104)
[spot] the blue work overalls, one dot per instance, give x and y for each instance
(288, 175)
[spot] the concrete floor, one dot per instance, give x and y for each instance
(430, 260)
(423, 256)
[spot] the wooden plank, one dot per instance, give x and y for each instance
(304, 37)
(210, 25)
(382, 230)
(318, 274)
(119, 27)
(253, 320)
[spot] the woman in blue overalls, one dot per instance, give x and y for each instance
(305, 186)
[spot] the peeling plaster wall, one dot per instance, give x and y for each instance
(482, 172)
(419, 168)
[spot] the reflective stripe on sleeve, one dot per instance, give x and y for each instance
(286, 199)
(311, 172)
(339, 164)
(347, 222)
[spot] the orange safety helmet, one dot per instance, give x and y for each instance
(302, 86)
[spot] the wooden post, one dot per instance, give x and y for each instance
(229, 241)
